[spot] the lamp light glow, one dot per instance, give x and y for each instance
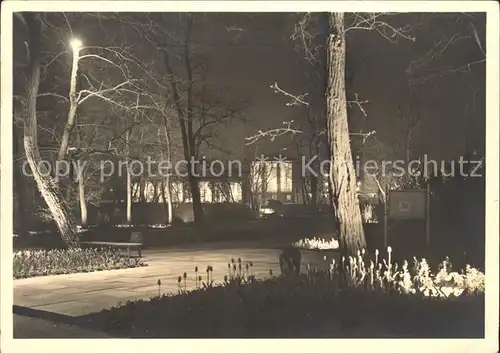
(76, 43)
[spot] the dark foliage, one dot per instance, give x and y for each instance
(299, 306)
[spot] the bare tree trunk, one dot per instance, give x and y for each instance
(45, 183)
(342, 174)
(185, 117)
(51, 194)
(168, 200)
(129, 180)
(83, 203)
(194, 185)
(305, 193)
(155, 192)
(73, 105)
(70, 122)
(22, 203)
(81, 188)
(142, 190)
(313, 181)
(166, 189)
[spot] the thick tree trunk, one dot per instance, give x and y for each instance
(342, 174)
(22, 209)
(45, 183)
(51, 194)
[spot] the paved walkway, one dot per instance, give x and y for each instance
(29, 327)
(84, 293)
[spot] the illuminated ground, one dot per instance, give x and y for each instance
(46, 306)
(83, 293)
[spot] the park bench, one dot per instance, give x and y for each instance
(134, 243)
(128, 246)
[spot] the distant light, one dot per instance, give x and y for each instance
(76, 43)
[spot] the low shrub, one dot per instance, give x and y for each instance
(298, 306)
(32, 263)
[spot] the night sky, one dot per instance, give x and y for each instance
(446, 119)
(247, 53)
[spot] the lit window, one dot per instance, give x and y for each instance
(236, 191)
(286, 177)
(272, 181)
(205, 192)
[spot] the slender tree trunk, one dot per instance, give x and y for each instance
(83, 203)
(313, 180)
(342, 174)
(185, 117)
(142, 190)
(129, 197)
(408, 145)
(70, 123)
(166, 187)
(73, 105)
(168, 200)
(193, 179)
(81, 187)
(45, 183)
(129, 180)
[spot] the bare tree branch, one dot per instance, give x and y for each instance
(296, 100)
(54, 95)
(100, 93)
(376, 22)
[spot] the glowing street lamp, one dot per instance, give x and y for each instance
(76, 44)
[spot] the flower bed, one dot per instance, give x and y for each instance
(32, 263)
(407, 302)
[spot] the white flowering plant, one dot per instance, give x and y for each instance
(386, 275)
(317, 244)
